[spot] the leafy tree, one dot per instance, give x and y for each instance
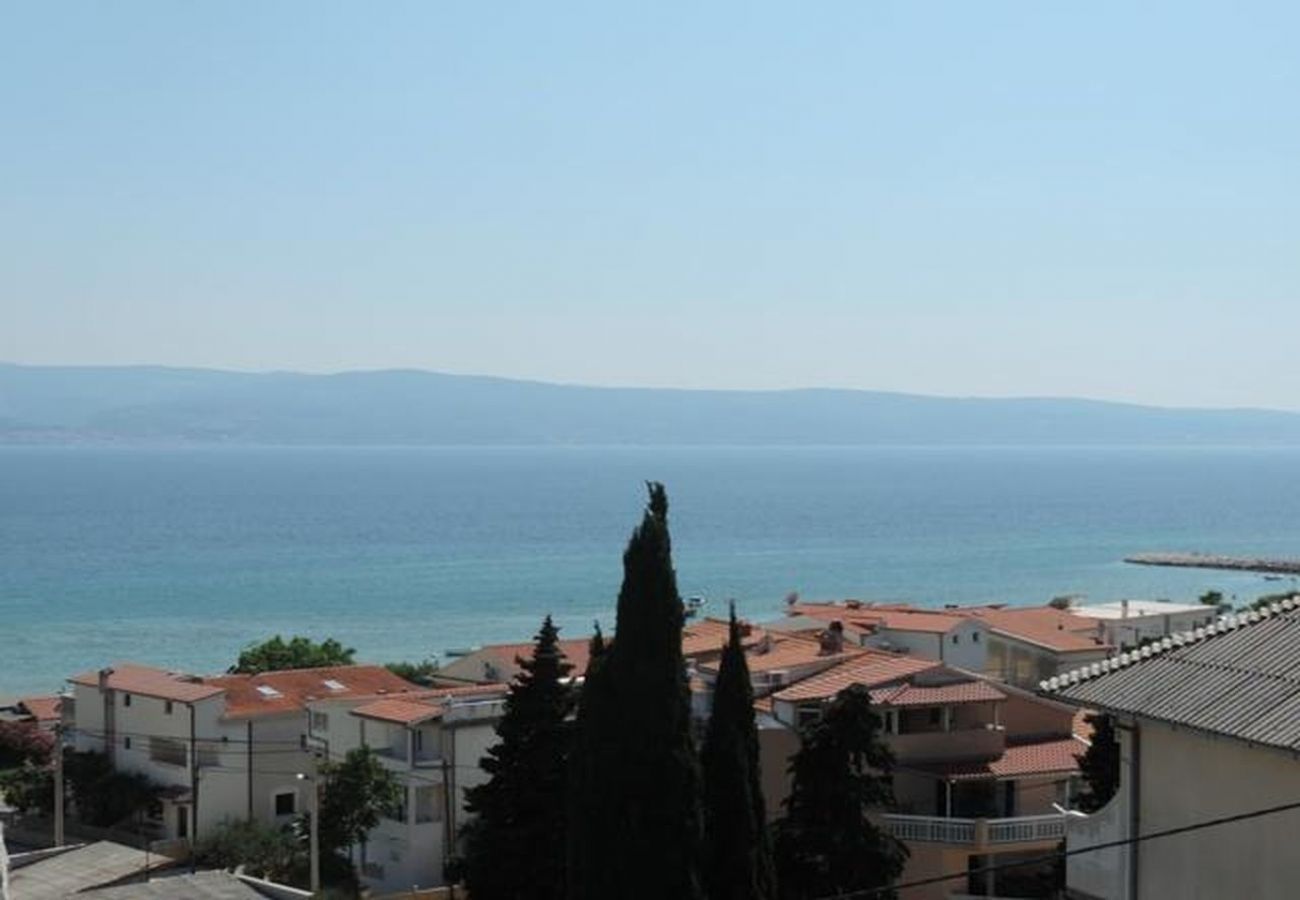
(266, 852)
(22, 742)
(515, 849)
(28, 788)
(422, 672)
(276, 654)
(737, 851)
(827, 845)
(355, 794)
(1099, 764)
(636, 822)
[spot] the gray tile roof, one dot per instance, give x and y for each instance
(1238, 677)
(80, 869)
(202, 886)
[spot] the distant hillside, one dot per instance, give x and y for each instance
(152, 404)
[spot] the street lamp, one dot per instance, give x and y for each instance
(314, 793)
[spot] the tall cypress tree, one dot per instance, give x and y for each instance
(1099, 764)
(515, 848)
(826, 845)
(737, 852)
(636, 823)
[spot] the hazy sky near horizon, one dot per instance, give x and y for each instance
(1095, 199)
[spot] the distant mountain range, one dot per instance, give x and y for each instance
(40, 404)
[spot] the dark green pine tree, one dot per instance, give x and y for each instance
(515, 848)
(826, 845)
(636, 819)
(737, 851)
(1099, 764)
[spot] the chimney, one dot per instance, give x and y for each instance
(832, 639)
(1123, 606)
(104, 674)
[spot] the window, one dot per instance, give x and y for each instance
(936, 715)
(167, 708)
(975, 638)
(167, 751)
(268, 692)
(126, 743)
(286, 803)
(334, 685)
(807, 714)
(428, 803)
(954, 638)
(126, 699)
(320, 722)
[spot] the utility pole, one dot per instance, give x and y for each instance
(313, 780)
(58, 785)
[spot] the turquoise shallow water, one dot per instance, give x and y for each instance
(181, 556)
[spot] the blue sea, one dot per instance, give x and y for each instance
(179, 557)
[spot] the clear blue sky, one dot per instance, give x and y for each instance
(1096, 199)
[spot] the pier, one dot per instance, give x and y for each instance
(1214, 561)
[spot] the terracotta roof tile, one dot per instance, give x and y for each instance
(896, 617)
(276, 693)
(402, 712)
(1057, 756)
(1046, 626)
(788, 652)
(709, 635)
(870, 668)
(974, 691)
(147, 681)
(42, 709)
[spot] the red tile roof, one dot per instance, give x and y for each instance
(411, 709)
(789, 651)
(403, 712)
(42, 709)
(147, 681)
(896, 617)
(709, 635)
(1046, 626)
(293, 689)
(936, 695)
(1056, 756)
(870, 668)
(503, 658)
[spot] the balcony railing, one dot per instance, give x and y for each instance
(976, 832)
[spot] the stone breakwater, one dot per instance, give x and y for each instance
(1213, 561)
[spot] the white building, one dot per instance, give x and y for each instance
(432, 740)
(1208, 727)
(1127, 623)
(223, 748)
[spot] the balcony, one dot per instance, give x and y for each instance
(976, 833)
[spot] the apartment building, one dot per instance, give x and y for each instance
(432, 740)
(982, 769)
(1208, 726)
(223, 748)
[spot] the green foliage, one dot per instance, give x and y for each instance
(264, 851)
(355, 793)
(827, 845)
(298, 653)
(1212, 598)
(1099, 764)
(422, 672)
(24, 742)
(1270, 599)
(636, 822)
(737, 851)
(103, 796)
(29, 788)
(515, 848)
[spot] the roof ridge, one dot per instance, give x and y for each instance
(1223, 625)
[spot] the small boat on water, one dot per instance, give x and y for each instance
(694, 605)
(457, 652)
